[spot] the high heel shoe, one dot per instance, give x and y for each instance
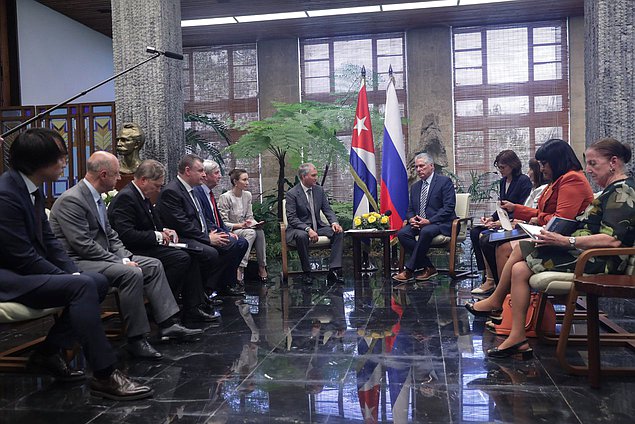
(470, 307)
(511, 351)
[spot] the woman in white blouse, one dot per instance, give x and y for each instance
(235, 209)
(538, 183)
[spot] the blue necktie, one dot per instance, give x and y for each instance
(101, 208)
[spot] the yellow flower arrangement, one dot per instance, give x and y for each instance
(370, 221)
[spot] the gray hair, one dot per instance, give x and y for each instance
(150, 169)
(304, 169)
(210, 166)
(425, 157)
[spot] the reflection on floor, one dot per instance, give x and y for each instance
(352, 353)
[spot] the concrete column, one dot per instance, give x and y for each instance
(577, 125)
(429, 85)
(151, 95)
(610, 70)
(279, 81)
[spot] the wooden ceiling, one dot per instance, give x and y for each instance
(96, 14)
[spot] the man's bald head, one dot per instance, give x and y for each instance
(102, 171)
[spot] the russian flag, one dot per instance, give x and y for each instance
(394, 178)
(362, 160)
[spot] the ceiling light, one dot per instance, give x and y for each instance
(208, 21)
(343, 11)
(418, 5)
(469, 2)
(270, 17)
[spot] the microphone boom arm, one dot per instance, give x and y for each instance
(46, 112)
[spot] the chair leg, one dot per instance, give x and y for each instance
(565, 331)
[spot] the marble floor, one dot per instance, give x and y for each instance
(359, 352)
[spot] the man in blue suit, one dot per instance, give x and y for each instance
(430, 213)
(36, 271)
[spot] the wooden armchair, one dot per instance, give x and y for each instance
(322, 243)
(561, 285)
(451, 242)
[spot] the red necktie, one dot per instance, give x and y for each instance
(213, 200)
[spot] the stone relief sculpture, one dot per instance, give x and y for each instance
(430, 142)
(130, 140)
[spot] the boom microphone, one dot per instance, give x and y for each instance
(166, 53)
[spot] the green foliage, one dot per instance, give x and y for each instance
(479, 188)
(196, 143)
(344, 212)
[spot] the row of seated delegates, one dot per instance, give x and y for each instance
(305, 201)
(132, 215)
(609, 221)
(514, 187)
(187, 205)
(37, 272)
(430, 213)
(566, 196)
(236, 211)
(79, 220)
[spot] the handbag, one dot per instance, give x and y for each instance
(548, 319)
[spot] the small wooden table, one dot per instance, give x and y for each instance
(358, 236)
(596, 286)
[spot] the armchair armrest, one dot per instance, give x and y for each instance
(604, 251)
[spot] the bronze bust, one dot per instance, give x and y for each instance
(129, 141)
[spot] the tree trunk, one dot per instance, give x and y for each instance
(280, 185)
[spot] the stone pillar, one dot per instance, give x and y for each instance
(151, 95)
(429, 59)
(610, 70)
(279, 81)
(577, 125)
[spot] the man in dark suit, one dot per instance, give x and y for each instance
(36, 271)
(306, 225)
(237, 245)
(131, 213)
(430, 213)
(180, 209)
(79, 220)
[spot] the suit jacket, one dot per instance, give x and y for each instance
(135, 223)
(75, 221)
(519, 189)
(21, 250)
(201, 195)
(299, 212)
(178, 212)
(440, 205)
(566, 197)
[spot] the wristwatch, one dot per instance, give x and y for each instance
(572, 242)
(307, 229)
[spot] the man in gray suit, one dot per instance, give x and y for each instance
(78, 218)
(305, 224)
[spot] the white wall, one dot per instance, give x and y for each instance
(60, 57)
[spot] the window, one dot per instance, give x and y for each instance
(330, 69)
(222, 82)
(510, 91)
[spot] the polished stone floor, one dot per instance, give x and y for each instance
(351, 353)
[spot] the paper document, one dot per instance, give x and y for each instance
(503, 218)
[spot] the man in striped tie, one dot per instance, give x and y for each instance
(430, 213)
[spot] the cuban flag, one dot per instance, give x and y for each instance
(369, 375)
(362, 160)
(394, 178)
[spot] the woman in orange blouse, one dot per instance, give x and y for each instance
(567, 196)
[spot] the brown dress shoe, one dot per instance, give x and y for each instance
(405, 275)
(119, 387)
(427, 274)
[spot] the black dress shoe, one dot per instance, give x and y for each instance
(143, 349)
(55, 366)
(236, 290)
(494, 312)
(119, 387)
(334, 277)
(178, 332)
(198, 315)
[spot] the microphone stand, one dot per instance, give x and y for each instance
(46, 112)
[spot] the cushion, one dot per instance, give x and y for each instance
(15, 312)
(552, 282)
